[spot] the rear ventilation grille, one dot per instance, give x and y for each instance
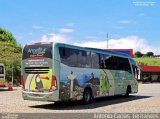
(36, 70)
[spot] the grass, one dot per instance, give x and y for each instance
(148, 61)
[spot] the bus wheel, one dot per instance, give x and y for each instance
(87, 96)
(128, 91)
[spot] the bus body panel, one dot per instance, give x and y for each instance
(2, 75)
(38, 73)
(72, 80)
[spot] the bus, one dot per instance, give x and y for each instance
(2, 75)
(62, 72)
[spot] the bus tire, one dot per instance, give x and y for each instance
(87, 95)
(128, 91)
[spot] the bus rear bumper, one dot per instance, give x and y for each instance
(37, 96)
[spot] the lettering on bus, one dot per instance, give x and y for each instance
(36, 51)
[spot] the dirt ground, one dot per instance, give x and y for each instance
(147, 100)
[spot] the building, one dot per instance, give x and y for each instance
(150, 73)
(156, 56)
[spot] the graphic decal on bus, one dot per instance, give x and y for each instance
(61, 72)
(37, 67)
(104, 88)
(71, 77)
(111, 81)
(39, 82)
(73, 81)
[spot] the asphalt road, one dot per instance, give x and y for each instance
(147, 100)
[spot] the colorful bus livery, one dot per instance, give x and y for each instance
(37, 73)
(62, 72)
(2, 75)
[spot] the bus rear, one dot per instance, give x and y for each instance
(38, 80)
(2, 75)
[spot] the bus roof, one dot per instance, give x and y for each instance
(97, 50)
(39, 43)
(85, 48)
(110, 52)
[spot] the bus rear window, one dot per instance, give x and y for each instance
(1, 70)
(40, 50)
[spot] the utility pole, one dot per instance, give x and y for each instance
(107, 40)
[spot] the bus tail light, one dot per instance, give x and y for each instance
(53, 84)
(22, 83)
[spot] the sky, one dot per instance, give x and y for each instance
(130, 24)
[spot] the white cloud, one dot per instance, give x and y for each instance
(37, 27)
(125, 21)
(131, 42)
(66, 30)
(55, 38)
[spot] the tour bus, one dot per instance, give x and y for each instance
(62, 72)
(2, 75)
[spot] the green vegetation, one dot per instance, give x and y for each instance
(138, 54)
(10, 55)
(146, 59)
(149, 61)
(6, 36)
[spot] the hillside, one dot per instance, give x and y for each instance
(148, 61)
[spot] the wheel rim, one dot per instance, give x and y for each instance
(87, 96)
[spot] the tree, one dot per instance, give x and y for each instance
(6, 36)
(138, 54)
(10, 55)
(149, 54)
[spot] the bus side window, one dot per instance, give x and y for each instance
(101, 61)
(71, 57)
(68, 56)
(81, 58)
(110, 62)
(95, 60)
(123, 64)
(1, 70)
(62, 52)
(88, 60)
(135, 71)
